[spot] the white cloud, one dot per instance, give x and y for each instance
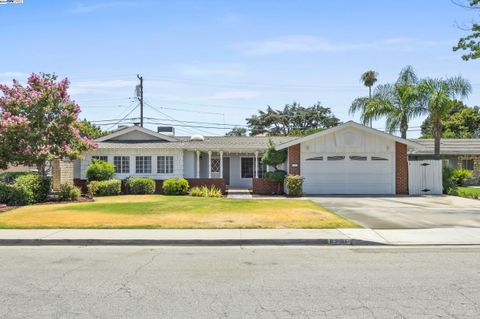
(82, 7)
(307, 44)
(235, 95)
(211, 69)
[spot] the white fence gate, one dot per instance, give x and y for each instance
(425, 177)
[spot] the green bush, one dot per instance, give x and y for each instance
(68, 192)
(38, 185)
(175, 186)
(105, 188)
(449, 181)
(10, 177)
(294, 185)
(206, 191)
(140, 185)
(276, 176)
(100, 171)
(272, 156)
(461, 175)
(15, 195)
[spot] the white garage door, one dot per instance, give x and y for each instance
(348, 174)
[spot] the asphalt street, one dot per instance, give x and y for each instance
(239, 282)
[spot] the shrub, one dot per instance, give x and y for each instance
(69, 192)
(105, 188)
(140, 185)
(100, 171)
(294, 185)
(449, 181)
(175, 186)
(461, 175)
(10, 177)
(272, 156)
(276, 176)
(206, 191)
(15, 195)
(38, 185)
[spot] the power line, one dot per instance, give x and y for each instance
(131, 111)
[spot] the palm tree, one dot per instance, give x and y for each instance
(368, 79)
(439, 95)
(399, 102)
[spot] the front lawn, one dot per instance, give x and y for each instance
(157, 211)
(469, 191)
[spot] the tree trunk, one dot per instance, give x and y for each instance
(370, 98)
(437, 135)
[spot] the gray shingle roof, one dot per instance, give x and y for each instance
(210, 143)
(451, 146)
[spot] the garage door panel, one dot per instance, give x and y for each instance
(348, 176)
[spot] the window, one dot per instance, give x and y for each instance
(215, 163)
(262, 168)
(467, 164)
(122, 164)
(376, 158)
(165, 164)
(335, 158)
(100, 158)
(318, 158)
(247, 167)
(358, 158)
(143, 164)
(446, 162)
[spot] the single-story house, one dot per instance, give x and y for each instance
(455, 153)
(347, 159)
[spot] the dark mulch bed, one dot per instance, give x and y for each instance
(50, 201)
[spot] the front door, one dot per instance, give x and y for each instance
(226, 170)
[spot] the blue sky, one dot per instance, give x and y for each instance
(220, 61)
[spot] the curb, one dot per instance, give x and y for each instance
(187, 242)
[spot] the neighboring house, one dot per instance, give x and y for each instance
(347, 159)
(455, 153)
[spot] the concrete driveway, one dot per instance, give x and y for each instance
(384, 212)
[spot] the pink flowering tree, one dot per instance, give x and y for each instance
(37, 123)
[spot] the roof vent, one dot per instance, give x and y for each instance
(197, 137)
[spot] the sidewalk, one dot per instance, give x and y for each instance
(231, 237)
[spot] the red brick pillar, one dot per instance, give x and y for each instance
(401, 168)
(294, 159)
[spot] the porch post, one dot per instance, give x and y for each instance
(221, 164)
(197, 173)
(256, 164)
(209, 164)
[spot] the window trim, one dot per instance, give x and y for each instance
(144, 171)
(167, 167)
(241, 167)
(124, 167)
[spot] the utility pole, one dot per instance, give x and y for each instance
(140, 97)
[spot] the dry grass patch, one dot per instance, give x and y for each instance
(156, 211)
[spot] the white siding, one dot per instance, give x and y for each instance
(348, 176)
(176, 153)
(189, 164)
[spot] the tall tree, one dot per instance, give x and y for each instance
(399, 102)
(368, 79)
(237, 131)
(90, 130)
(292, 118)
(37, 123)
(470, 43)
(460, 121)
(439, 95)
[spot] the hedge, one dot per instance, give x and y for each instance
(140, 185)
(105, 188)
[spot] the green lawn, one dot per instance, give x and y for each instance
(157, 211)
(468, 191)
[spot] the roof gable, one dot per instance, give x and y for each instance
(346, 125)
(136, 133)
